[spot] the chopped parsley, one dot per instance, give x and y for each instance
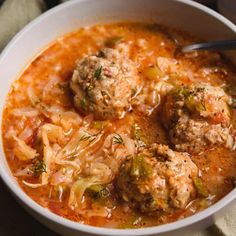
(88, 137)
(117, 139)
(98, 191)
(202, 190)
(136, 131)
(138, 135)
(98, 73)
(83, 103)
(39, 167)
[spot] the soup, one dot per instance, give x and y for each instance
(110, 126)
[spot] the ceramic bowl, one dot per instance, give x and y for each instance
(181, 14)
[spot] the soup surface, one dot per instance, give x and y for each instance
(110, 126)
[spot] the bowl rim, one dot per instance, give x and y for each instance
(45, 213)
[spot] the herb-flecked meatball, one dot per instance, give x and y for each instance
(198, 117)
(103, 84)
(157, 179)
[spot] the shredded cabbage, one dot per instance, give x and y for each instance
(81, 142)
(49, 133)
(23, 151)
(78, 189)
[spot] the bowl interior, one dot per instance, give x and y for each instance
(181, 14)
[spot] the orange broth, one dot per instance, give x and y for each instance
(217, 166)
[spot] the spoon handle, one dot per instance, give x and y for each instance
(217, 45)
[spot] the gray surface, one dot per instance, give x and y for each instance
(15, 221)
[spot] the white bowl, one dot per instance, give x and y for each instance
(182, 14)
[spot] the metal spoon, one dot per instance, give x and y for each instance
(215, 45)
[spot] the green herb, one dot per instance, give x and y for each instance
(200, 90)
(136, 131)
(88, 88)
(183, 91)
(202, 190)
(203, 203)
(203, 104)
(190, 102)
(153, 73)
(140, 168)
(39, 167)
(117, 139)
(111, 42)
(98, 191)
(83, 103)
(98, 73)
(137, 134)
(88, 137)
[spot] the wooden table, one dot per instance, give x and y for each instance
(15, 221)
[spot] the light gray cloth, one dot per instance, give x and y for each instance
(14, 14)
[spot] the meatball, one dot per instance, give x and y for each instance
(103, 84)
(198, 117)
(157, 180)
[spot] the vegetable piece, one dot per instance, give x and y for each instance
(98, 73)
(202, 190)
(23, 151)
(140, 169)
(39, 167)
(136, 131)
(190, 103)
(153, 73)
(80, 143)
(98, 192)
(117, 139)
(111, 42)
(137, 134)
(89, 137)
(183, 92)
(204, 203)
(49, 133)
(78, 189)
(83, 103)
